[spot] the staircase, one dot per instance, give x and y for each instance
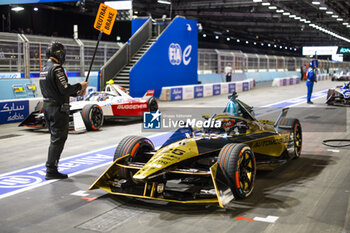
(122, 78)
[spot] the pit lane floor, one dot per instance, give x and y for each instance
(310, 194)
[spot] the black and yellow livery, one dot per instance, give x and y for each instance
(211, 165)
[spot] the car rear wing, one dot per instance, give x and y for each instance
(282, 116)
(148, 94)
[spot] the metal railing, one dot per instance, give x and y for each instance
(213, 61)
(27, 53)
(141, 36)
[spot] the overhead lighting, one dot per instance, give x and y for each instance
(286, 47)
(257, 0)
(119, 5)
(316, 2)
(228, 39)
(217, 37)
(302, 20)
(345, 23)
(17, 8)
(340, 19)
(292, 16)
(275, 46)
(323, 8)
(238, 40)
(335, 16)
(204, 35)
(272, 7)
(329, 12)
(295, 49)
(280, 46)
(262, 44)
(164, 2)
(286, 13)
(307, 21)
(254, 43)
(348, 26)
(312, 25)
(35, 9)
(265, 4)
(279, 11)
(297, 18)
(247, 42)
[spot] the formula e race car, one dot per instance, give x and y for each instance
(339, 95)
(341, 76)
(214, 164)
(113, 103)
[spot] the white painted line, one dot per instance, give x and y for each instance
(333, 150)
(80, 193)
(269, 219)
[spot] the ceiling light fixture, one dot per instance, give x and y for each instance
(164, 2)
(35, 9)
(17, 8)
(335, 16)
(340, 19)
(329, 12)
(292, 16)
(228, 39)
(316, 2)
(323, 8)
(279, 11)
(297, 18)
(204, 35)
(217, 37)
(272, 7)
(238, 40)
(345, 23)
(257, 0)
(286, 13)
(265, 4)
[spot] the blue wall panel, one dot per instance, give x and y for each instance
(171, 61)
(136, 24)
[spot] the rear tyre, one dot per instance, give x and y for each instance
(92, 116)
(152, 104)
(135, 146)
(330, 97)
(296, 139)
(237, 162)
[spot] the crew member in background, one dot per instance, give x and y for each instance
(310, 79)
(228, 72)
(56, 92)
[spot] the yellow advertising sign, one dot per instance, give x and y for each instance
(105, 18)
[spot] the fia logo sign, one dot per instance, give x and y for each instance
(176, 56)
(152, 120)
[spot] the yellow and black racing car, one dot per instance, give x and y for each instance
(213, 165)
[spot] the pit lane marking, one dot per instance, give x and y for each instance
(268, 219)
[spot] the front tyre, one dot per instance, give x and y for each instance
(237, 162)
(92, 116)
(295, 138)
(136, 147)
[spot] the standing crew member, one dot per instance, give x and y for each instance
(228, 72)
(311, 78)
(56, 91)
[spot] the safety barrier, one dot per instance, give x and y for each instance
(286, 81)
(278, 82)
(203, 90)
(16, 110)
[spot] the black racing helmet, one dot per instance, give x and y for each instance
(56, 50)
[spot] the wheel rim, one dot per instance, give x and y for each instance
(96, 116)
(297, 140)
(246, 171)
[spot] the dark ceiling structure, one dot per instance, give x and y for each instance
(275, 21)
(258, 25)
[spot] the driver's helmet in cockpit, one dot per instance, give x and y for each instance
(232, 108)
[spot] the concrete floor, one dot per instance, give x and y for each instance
(311, 194)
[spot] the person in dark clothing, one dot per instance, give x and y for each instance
(56, 92)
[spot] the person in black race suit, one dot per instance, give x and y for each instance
(56, 92)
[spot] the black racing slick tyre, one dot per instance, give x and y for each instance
(152, 104)
(92, 116)
(295, 139)
(330, 97)
(135, 146)
(237, 162)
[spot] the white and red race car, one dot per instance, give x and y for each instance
(89, 114)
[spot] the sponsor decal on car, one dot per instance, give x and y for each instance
(132, 106)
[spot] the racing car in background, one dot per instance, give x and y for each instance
(339, 95)
(89, 114)
(207, 165)
(342, 76)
